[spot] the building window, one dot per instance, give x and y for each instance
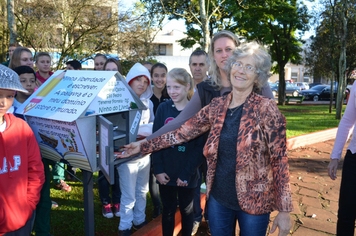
(162, 49)
(306, 78)
(294, 75)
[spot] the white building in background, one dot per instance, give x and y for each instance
(169, 50)
(294, 73)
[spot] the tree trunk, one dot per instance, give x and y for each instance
(205, 25)
(332, 43)
(5, 34)
(332, 87)
(342, 63)
(11, 21)
(281, 86)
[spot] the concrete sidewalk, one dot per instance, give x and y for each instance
(315, 195)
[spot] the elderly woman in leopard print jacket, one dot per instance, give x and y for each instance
(248, 172)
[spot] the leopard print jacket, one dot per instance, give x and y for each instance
(262, 170)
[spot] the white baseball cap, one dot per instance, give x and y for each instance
(10, 80)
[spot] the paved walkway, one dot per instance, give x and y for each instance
(315, 195)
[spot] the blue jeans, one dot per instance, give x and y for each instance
(222, 224)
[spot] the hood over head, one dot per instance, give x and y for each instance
(139, 70)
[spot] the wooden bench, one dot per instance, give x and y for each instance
(299, 98)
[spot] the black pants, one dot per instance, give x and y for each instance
(104, 189)
(154, 189)
(347, 200)
(169, 201)
(198, 216)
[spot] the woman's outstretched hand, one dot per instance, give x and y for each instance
(131, 149)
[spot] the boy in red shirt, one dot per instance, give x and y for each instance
(21, 168)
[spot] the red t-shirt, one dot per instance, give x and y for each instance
(40, 78)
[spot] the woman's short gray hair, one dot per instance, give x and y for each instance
(261, 58)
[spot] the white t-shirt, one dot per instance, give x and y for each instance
(3, 126)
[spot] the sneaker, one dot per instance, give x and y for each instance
(62, 185)
(126, 232)
(137, 227)
(107, 213)
(116, 210)
(54, 204)
(196, 225)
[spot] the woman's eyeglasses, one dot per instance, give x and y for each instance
(248, 69)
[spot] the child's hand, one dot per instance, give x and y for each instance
(181, 183)
(163, 178)
(131, 149)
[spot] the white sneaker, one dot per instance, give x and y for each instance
(196, 225)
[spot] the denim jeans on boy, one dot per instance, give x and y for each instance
(347, 199)
(104, 189)
(222, 221)
(133, 177)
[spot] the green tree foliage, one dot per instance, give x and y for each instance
(322, 50)
(275, 23)
(272, 22)
(200, 24)
(326, 56)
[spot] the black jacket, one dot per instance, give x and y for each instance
(180, 161)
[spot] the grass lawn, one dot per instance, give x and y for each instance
(303, 119)
(68, 218)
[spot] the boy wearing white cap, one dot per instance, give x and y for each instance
(134, 174)
(21, 168)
